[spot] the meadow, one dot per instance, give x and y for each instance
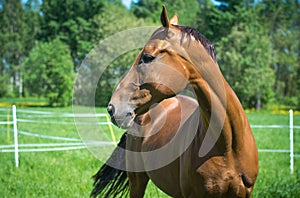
(68, 173)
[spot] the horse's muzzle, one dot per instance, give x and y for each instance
(122, 119)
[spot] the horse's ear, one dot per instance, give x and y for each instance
(164, 18)
(174, 20)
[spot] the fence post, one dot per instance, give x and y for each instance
(291, 142)
(111, 130)
(8, 128)
(14, 115)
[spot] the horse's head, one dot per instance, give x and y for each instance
(161, 70)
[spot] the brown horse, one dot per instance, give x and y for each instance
(186, 149)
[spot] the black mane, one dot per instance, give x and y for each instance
(208, 45)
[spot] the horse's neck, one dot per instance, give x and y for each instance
(219, 106)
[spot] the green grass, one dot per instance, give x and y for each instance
(68, 173)
(275, 179)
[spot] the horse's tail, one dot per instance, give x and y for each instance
(109, 181)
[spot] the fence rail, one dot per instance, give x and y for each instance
(75, 143)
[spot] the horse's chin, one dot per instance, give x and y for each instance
(129, 123)
(124, 123)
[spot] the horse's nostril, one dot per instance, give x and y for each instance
(111, 110)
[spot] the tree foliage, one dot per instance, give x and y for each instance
(72, 22)
(215, 23)
(17, 31)
(48, 72)
(151, 9)
(257, 44)
(245, 59)
(282, 19)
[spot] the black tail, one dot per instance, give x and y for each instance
(109, 181)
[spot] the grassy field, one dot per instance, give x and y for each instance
(68, 173)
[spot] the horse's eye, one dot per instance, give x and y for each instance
(146, 58)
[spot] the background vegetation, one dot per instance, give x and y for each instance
(44, 42)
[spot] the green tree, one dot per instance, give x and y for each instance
(48, 72)
(281, 18)
(245, 60)
(214, 22)
(17, 37)
(72, 22)
(151, 9)
(3, 84)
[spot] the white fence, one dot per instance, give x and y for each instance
(77, 143)
(291, 126)
(74, 143)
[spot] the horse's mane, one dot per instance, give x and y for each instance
(208, 45)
